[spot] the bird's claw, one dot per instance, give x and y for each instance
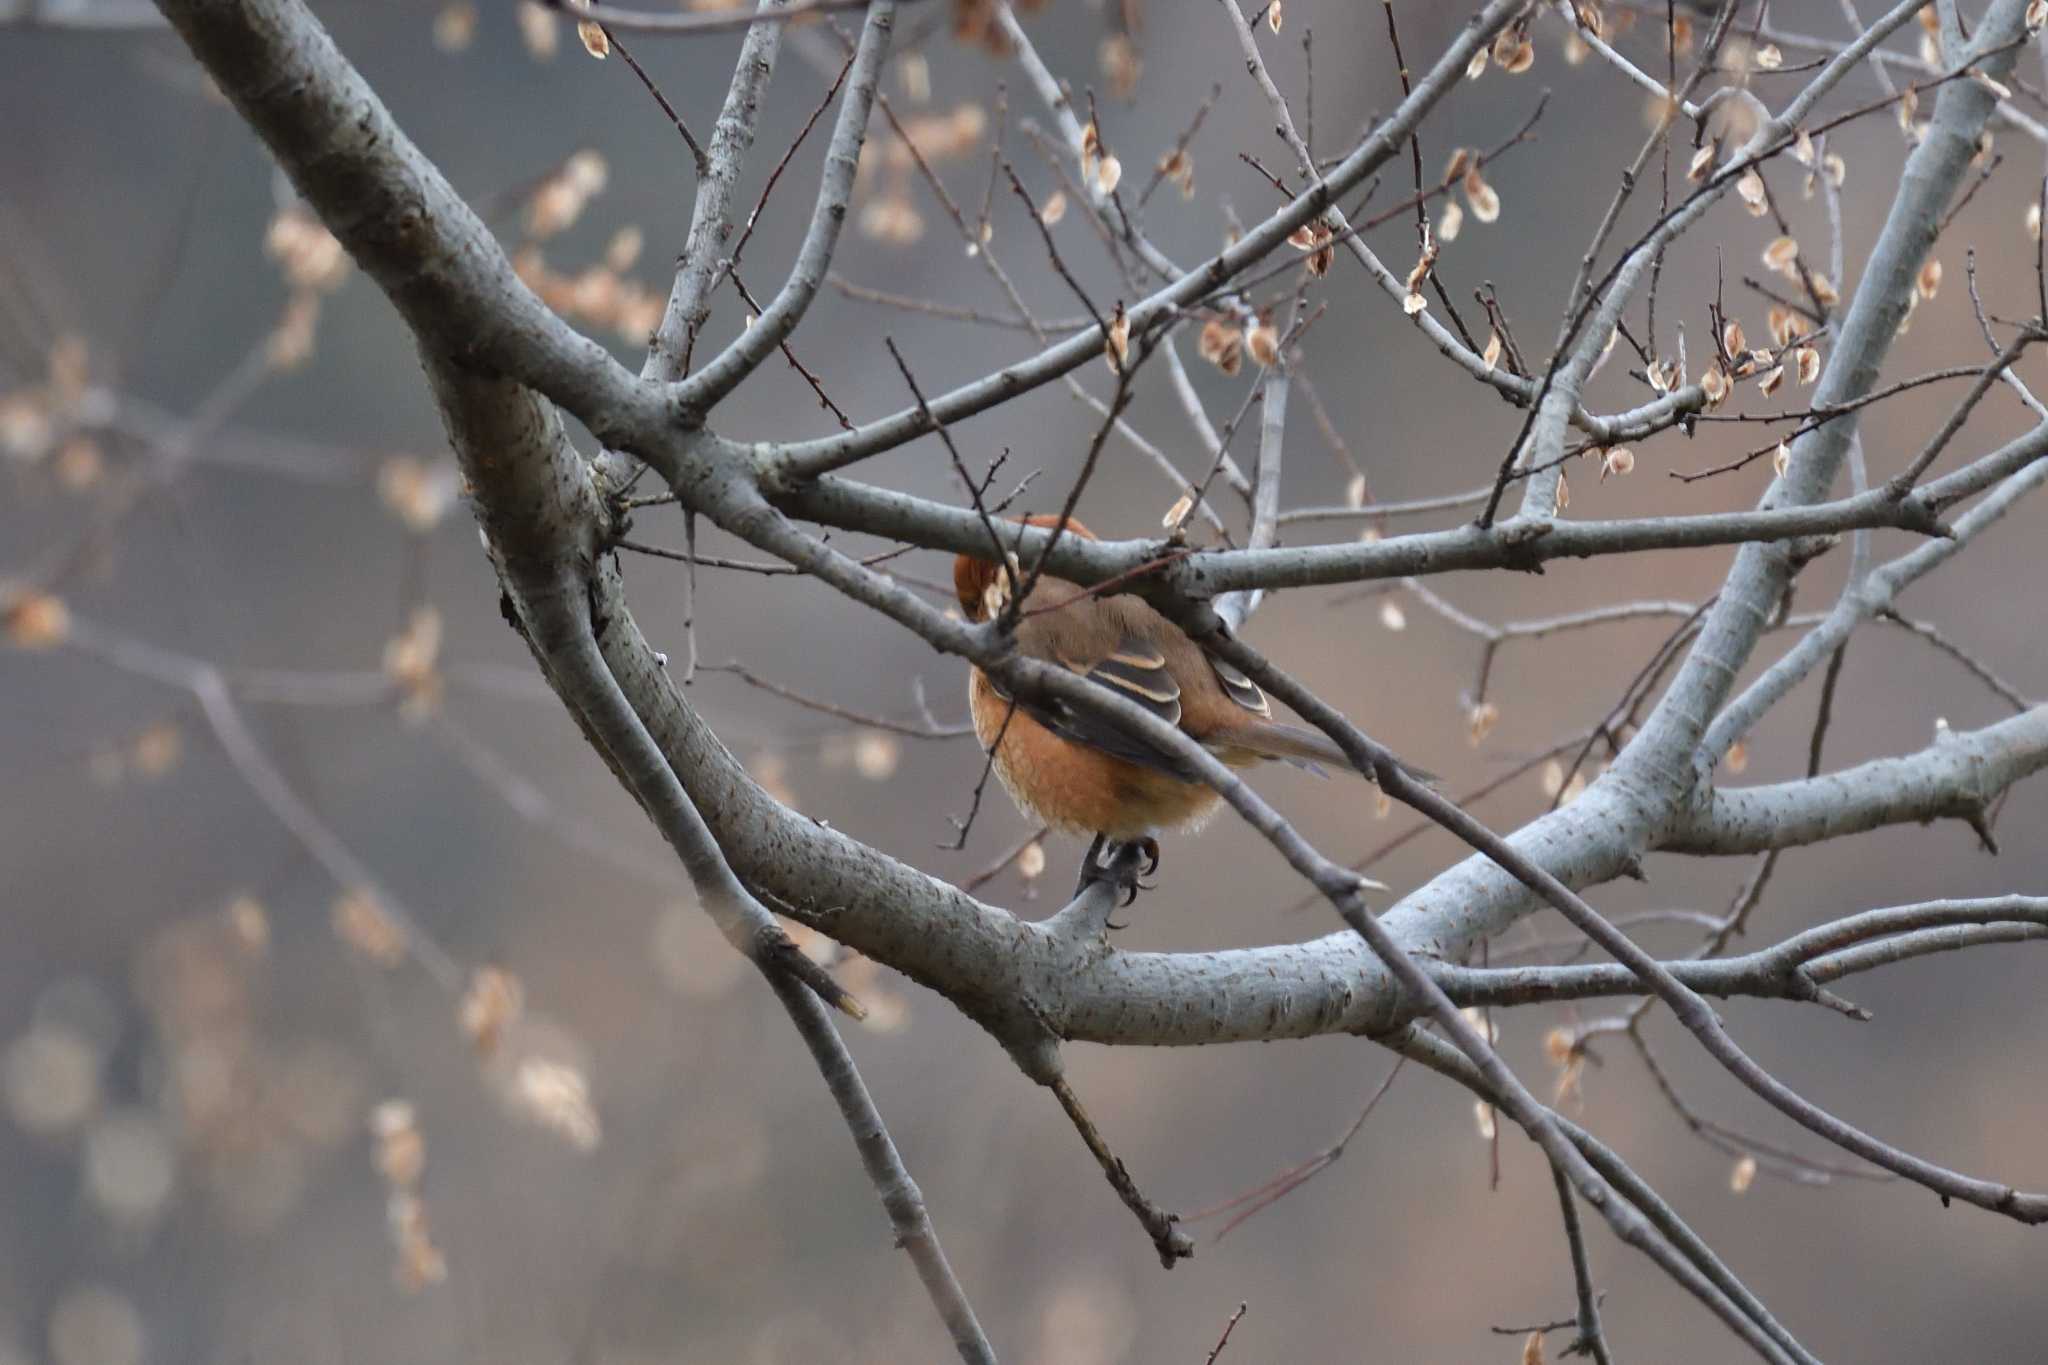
(1119, 869)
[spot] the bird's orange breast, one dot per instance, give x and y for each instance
(1076, 789)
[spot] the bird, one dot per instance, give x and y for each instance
(1080, 773)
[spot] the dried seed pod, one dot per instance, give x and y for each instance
(1117, 345)
(1928, 282)
(1263, 342)
(1481, 196)
(1750, 186)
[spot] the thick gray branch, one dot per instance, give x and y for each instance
(1957, 777)
(1792, 970)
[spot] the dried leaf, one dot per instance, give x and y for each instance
(1928, 283)
(1118, 57)
(250, 923)
(1482, 1115)
(538, 30)
(1481, 196)
(364, 925)
(624, 248)
(1179, 167)
(1230, 357)
(1479, 722)
(1997, 88)
(79, 463)
(157, 749)
(1451, 221)
(290, 344)
(455, 26)
(35, 619)
(1117, 345)
(557, 1096)
(876, 755)
(308, 255)
(1750, 186)
(1783, 324)
(1715, 384)
(1263, 343)
(492, 1003)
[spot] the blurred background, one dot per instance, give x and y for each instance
(195, 1024)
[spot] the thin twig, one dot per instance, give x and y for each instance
(1216, 1351)
(1162, 1227)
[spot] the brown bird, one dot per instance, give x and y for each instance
(1082, 774)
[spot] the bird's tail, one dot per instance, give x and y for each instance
(1305, 748)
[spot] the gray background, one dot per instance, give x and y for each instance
(724, 1216)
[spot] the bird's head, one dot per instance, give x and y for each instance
(980, 583)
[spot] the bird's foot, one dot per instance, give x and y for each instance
(1117, 863)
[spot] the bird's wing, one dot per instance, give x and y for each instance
(1240, 689)
(1135, 671)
